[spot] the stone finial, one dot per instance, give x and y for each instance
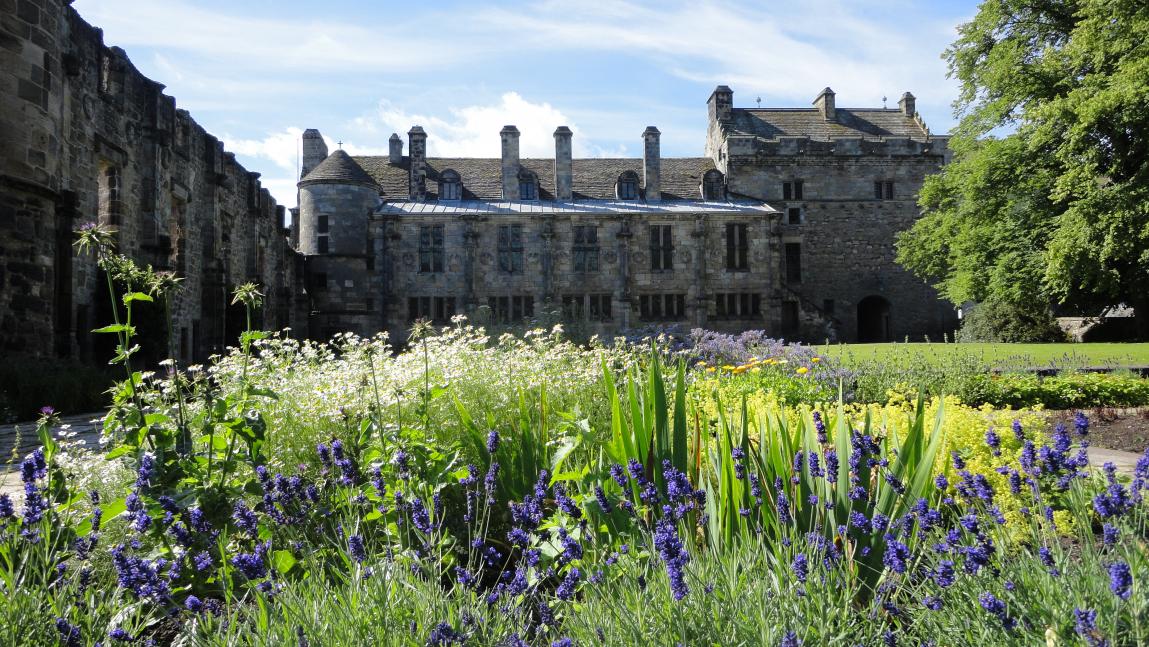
(825, 104)
(564, 165)
(721, 103)
(651, 164)
(907, 104)
(510, 166)
(314, 151)
(395, 149)
(417, 148)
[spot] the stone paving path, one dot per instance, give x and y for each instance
(18, 440)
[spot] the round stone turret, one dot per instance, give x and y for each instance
(335, 201)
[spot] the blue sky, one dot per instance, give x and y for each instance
(258, 72)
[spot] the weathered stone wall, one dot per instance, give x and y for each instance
(846, 234)
(87, 138)
(471, 273)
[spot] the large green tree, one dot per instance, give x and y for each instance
(1046, 199)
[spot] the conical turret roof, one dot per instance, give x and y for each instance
(339, 168)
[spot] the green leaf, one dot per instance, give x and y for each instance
(283, 561)
(114, 328)
(137, 296)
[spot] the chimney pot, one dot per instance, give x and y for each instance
(651, 164)
(908, 104)
(721, 103)
(395, 149)
(825, 105)
(314, 151)
(510, 162)
(564, 166)
(417, 147)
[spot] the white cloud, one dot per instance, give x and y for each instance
(473, 131)
(281, 148)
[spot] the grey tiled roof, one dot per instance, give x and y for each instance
(593, 179)
(808, 122)
(338, 168)
(596, 207)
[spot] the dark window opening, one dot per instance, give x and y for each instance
(451, 186)
(789, 317)
(510, 249)
(792, 190)
(793, 262)
(436, 309)
(323, 225)
(322, 244)
(511, 309)
(712, 186)
(592, 307)
(662, 307)
(584, 251)
(661, 248)
(528, 186)
(737, 247)
(628, 186)
(318, 281)
(431, 245)
(794, 216)
(883, 190)
(737, 305)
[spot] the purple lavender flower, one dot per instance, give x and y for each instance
(566, 588)
(992, 604)
(896, 557)
(670, 548)
(831, 465)
(616, 473)
(193, 604)
(356, 549)
(69, 633)
(6, 509)
(119, 635)
(932, 603)
(245, 519)
(790, 639)
(1120, 580)
(603, 502)
(1109, 534)
(146, 471)
(800, 566)
(444, 634)
(993, 441)
(820, 428)
(492, 442)
(202, 561)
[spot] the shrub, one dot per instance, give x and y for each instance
(1004, 322)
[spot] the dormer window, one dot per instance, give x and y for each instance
(627, 188)
(528, 186)
(713, 187)
(450, 186)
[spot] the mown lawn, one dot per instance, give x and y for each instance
(999, 355)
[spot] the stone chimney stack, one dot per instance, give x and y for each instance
(908, 104)
(417, 145)
(314, 151)
(395, 150)
(825, 105)
(721, 104)
(564, 166)
(510, 137)
(651, 165)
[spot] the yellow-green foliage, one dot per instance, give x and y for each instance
(963, 428)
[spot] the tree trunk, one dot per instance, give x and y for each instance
(1141, 317)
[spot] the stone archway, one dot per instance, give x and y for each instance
(873, 319)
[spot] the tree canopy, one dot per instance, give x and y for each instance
(1046, 199)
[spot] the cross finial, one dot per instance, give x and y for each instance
(340, 142)
(883, 101)
(759, 100)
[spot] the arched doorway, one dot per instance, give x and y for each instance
(873, 319)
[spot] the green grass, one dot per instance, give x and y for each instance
(998, 355)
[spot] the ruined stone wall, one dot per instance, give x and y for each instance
(87, 138)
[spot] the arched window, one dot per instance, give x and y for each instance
(713, 188)
(450, 186)
(627, 188)
(528, 185)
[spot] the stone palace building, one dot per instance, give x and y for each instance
(785, 223)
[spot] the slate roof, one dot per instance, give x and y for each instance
(598, 207)
(338, 168)
(592, 179)
(867, 123)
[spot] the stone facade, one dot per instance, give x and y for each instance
(86, 138)
(787, 224)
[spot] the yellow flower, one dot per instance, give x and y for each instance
(738, 370)
(701, 363)
(755, 370)
(727, 367)
(802, 370)
(753, 359)
(816, 359)
(710, 369)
